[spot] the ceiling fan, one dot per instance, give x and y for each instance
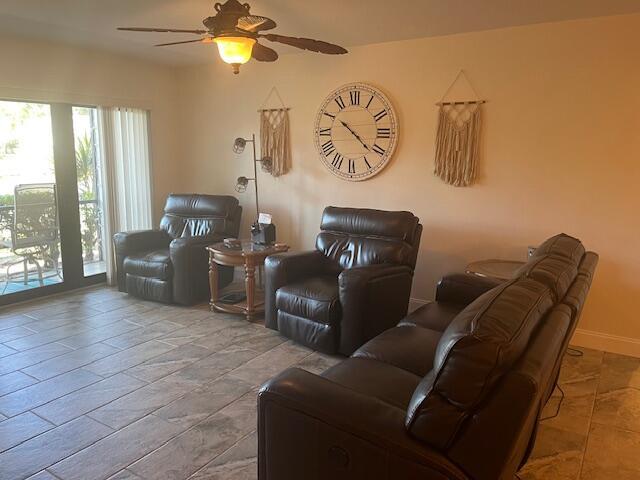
(236, 32)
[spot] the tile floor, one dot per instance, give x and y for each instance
(97, 385)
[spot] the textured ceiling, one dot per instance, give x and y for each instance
(93, 23)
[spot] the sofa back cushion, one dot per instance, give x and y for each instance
(556, 272)
(354, 237)
(561, 245)
(477, 348)
(192, 215)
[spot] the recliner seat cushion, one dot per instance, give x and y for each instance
(407, 347)
(153, 264)
(390, 384)
(479, 345)
(434, 316)
(315, 298)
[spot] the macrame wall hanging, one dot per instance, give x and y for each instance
(275, 137)
(458, 138)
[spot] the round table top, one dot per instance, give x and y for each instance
(248, 248)
(499, 269)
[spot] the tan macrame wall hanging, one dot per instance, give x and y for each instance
(458, 138)
(275, 136)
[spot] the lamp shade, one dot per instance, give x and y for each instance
(238, 145)
(235, 50)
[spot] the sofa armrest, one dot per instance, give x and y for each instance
(127, 243)
(303, 417)
(463, 288)
(190, 261)
(283, 268)
(373, 299)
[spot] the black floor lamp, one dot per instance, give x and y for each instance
(243, 182)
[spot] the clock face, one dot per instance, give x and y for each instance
(356, 131)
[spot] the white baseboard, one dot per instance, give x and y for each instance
(606, 342)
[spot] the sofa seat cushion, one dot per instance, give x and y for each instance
(434, 316)
(315, 298)
(381, 380)
(153, 264)
(408, 347)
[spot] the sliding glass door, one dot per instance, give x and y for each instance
(50, 215)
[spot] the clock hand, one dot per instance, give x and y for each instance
(355, 135)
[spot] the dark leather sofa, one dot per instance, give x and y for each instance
(170, 264)
(454, 391)
(354, 285)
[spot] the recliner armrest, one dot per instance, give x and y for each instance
(313, 400)
(373, 299)
(127, 243)
(463, 288)
(284, 268)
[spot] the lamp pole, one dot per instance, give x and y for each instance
(255, 173)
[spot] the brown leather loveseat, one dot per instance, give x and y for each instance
(170, 264)
(453, 392)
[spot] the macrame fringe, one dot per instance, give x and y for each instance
(274, 139)
(457, 145)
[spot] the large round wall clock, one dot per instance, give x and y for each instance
(356, 132)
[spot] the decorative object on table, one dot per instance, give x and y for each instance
(496, 269)
(275, 137)
(458, 138)
(232, 243)
(263, 232)
(356, 131)
(236, 32)
(251, 257)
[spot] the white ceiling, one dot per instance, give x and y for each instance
(93, 23)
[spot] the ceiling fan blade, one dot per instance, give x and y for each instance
(306, 44)
(264, 54)
(199, 40)
(162, 30)
(255, 23)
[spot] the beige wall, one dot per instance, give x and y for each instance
(560, 149)
(34, 70)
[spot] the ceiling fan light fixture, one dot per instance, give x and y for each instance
(235, 51)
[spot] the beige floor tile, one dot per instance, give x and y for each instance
(612, 454)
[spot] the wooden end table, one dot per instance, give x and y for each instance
(251, 256)
(498, 269)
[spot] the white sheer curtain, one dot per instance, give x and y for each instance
(126, 174)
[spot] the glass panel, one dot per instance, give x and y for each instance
(89, 187)
(29, 229)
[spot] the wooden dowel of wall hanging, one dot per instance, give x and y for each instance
(468, 102)
(273, 109)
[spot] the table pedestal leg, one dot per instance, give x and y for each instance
(213, 282)
(250, 283)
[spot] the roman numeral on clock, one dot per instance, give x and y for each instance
(340, 102)
(367, 162)
(329, 115)
(352, 166)
(379, 150)
(384, 132)
(337, 161)
(369, 102)
(325, 132)
(380, 115)
(328, 148)
(355, 97)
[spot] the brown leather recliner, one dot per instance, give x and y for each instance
(171, 265)
(455, 391)
(354, 285)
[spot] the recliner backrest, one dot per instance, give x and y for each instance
(354, 237)
(193, 215)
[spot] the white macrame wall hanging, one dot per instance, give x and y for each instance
(275, 136)
(458, 138)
